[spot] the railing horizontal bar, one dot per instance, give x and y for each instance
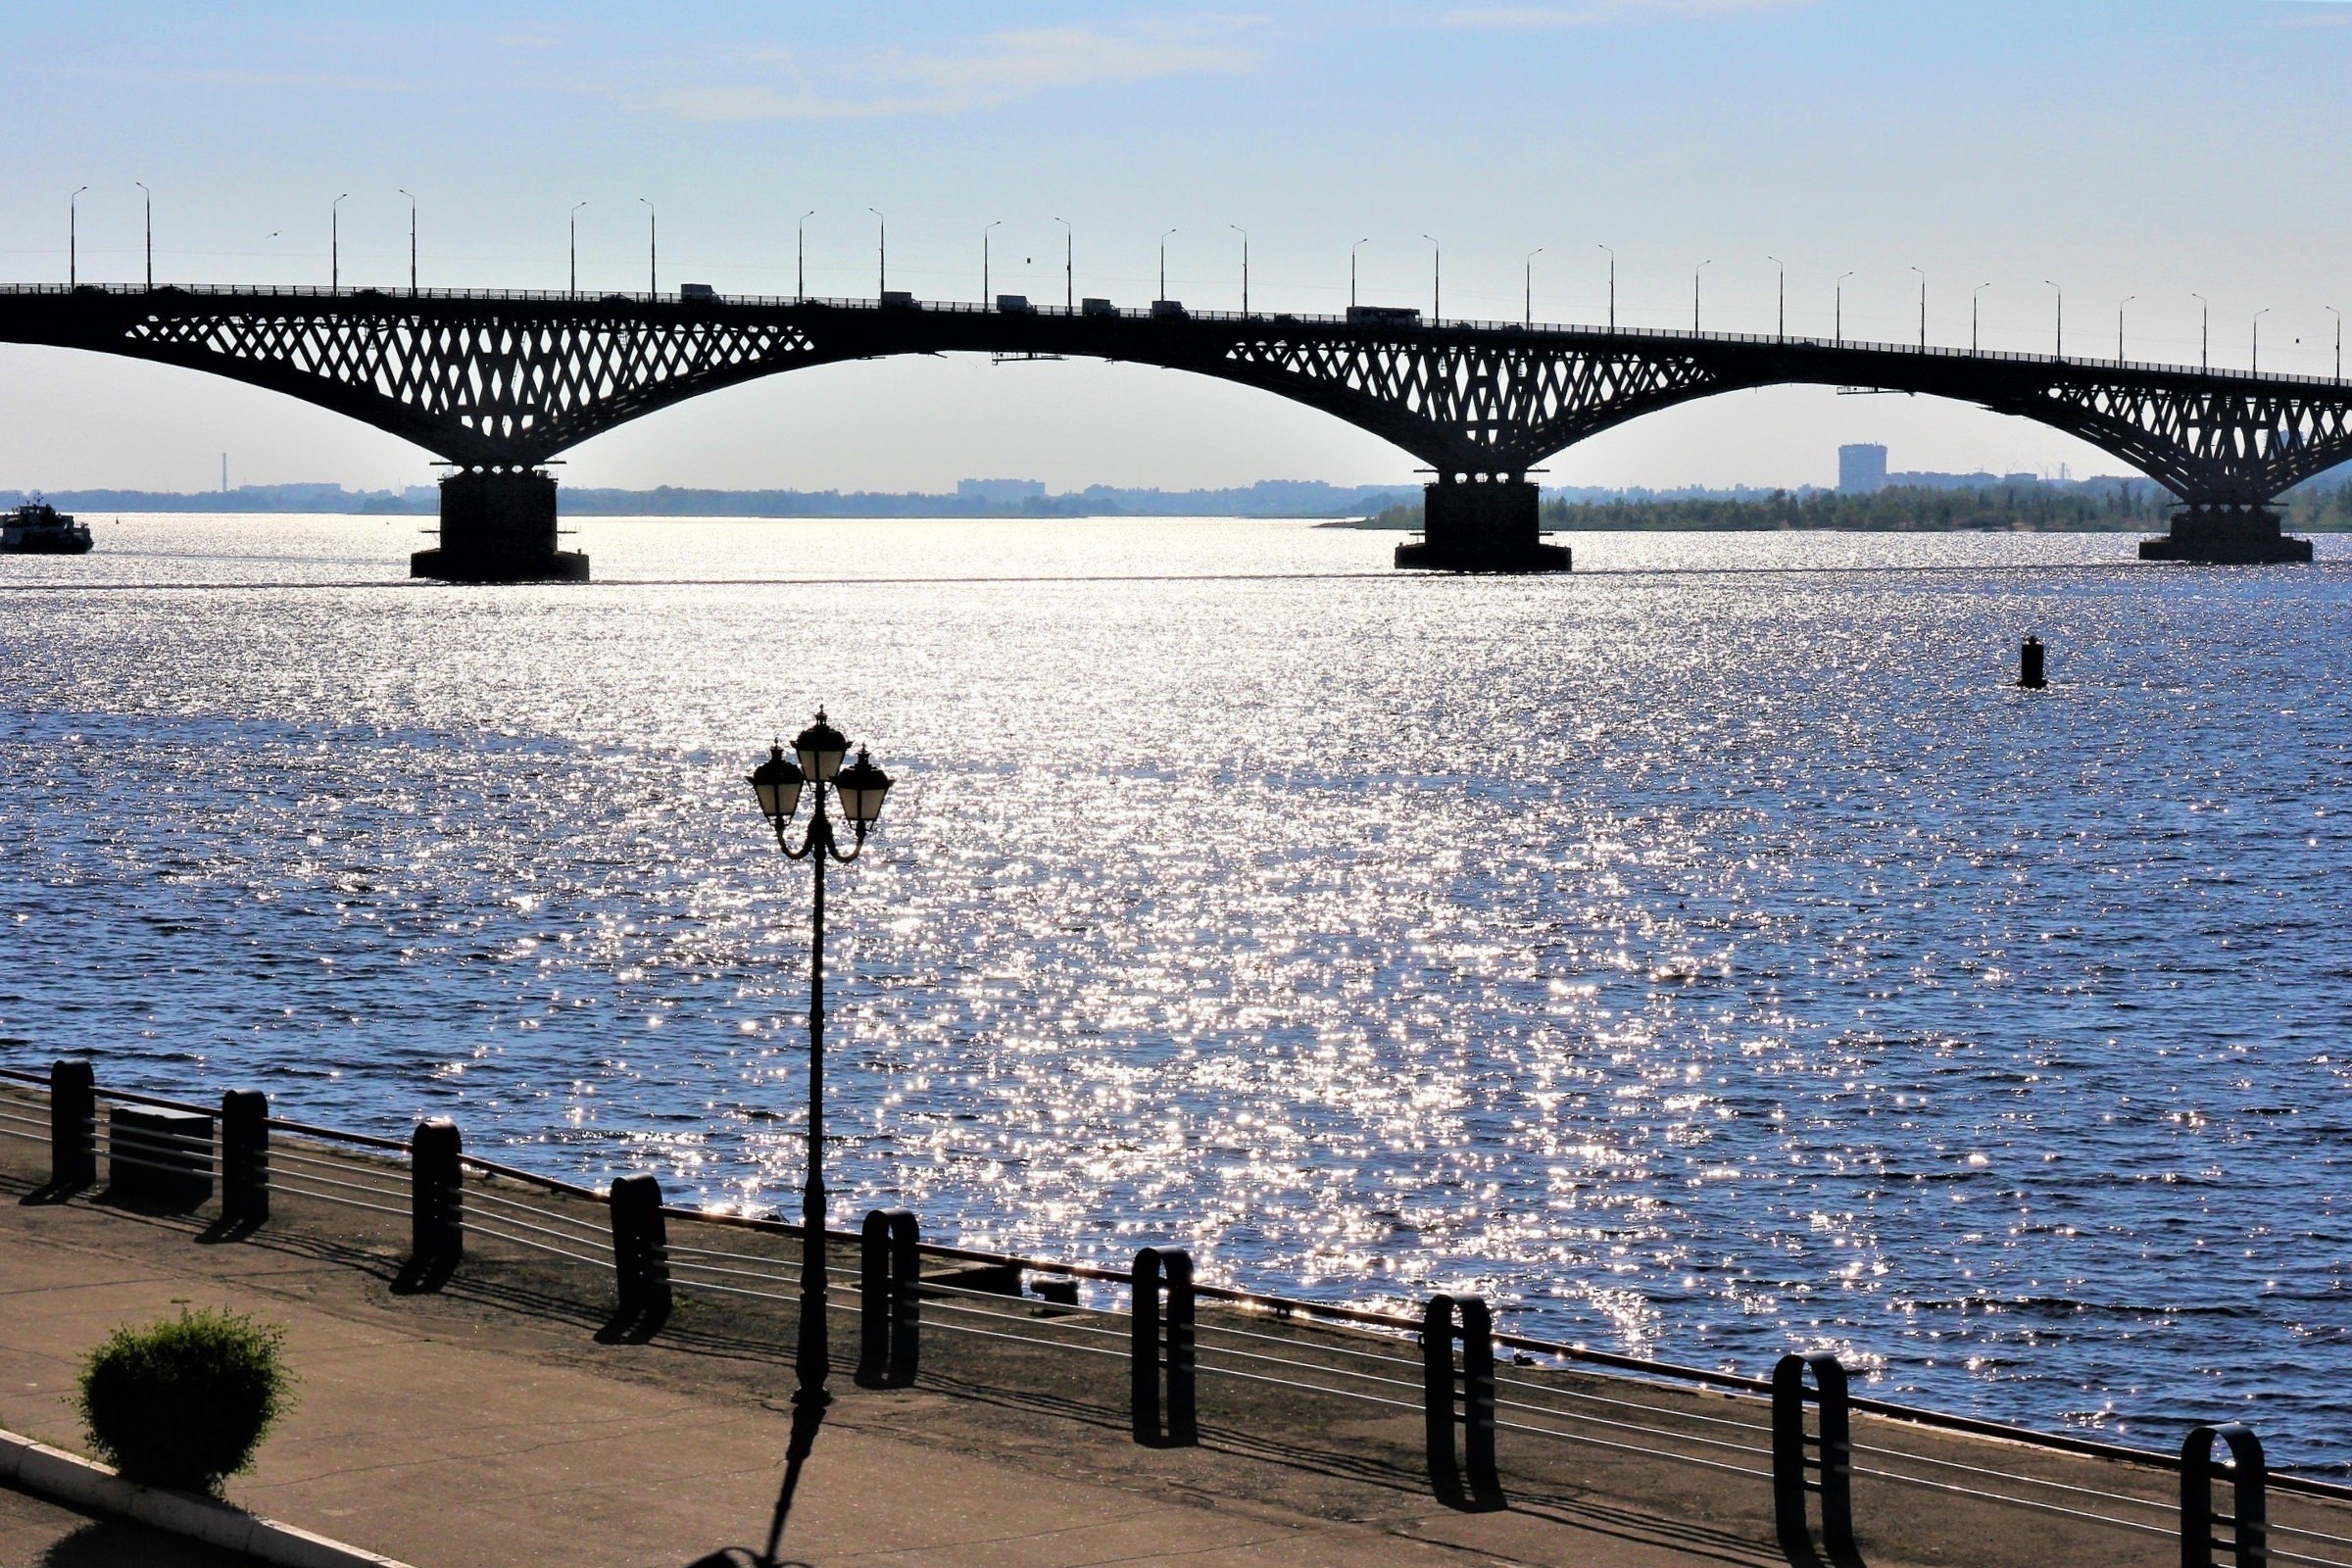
(2009, 1475)
(1311, 1388)
(733, 1273)
(281, 1152)
(1297, 1342)
(526, 1225)
(733, 1290)
(553, 1184)
(476, 1194)
(1627, 1447)
(113, 1158)
(930, 1322)
(478, 1228)
(332, 1181)
(2276, 1555)
(31, 1137)
(1631, 1426)
(304, 1129)
(2278, 1529)
(1024, 1317)
(1502, 1382)
(2016, 1502)
(329, 1197)
(1309, 1366)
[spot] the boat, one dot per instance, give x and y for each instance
(38, 528)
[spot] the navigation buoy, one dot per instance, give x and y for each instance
(2028, 665)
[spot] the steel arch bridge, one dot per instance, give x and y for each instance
(500, 382)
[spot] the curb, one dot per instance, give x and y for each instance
(85, 1483)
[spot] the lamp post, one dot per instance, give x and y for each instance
(150, 196)
(2204, 331)
(1840, 327)
(800, 257)
(1695, 272)
(2119, 327)
(985, 296)
(1527, 288)
(2061, 339)
(411, 244)
(334, 244)
(1351, 250)
(73, 238)
(2258, 316)
(1923, 310)
(1069, 264)
(1781, 331)
(1612, 289)
(778, 783)
(1974, 300)
(2340, 339)
(1436, 277)
(881, 254)
(1163, 262)
(575, 246)
(1244, 233)
(653, 249)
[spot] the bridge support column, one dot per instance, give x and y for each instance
(498, 526)
(2226, 535)
(1482, 525)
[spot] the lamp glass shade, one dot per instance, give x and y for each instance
(861, 786)
(820, 748)
(777, 783)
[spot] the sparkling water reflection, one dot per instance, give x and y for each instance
(1705, 955)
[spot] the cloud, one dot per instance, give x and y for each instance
(992, 70)
(1605, 13)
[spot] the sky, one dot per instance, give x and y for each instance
(2147, 151)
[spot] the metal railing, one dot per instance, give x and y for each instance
(1518, 332)
(1483, 1419)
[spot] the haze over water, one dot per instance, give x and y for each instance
(1701, 959)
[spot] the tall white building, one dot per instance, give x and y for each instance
(1861, 469)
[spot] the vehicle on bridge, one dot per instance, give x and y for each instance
(38, 528)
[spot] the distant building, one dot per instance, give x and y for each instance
(1861, 469)
(1000, 492)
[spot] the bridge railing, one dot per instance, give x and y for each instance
(1509, 329)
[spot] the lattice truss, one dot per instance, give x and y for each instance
(1491, 408)
(2220, 445)
(514, 390)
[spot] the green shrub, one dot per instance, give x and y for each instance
(184, 1402)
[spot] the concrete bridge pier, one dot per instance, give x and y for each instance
(2226, 535)
(1482, 524)
(498, 526)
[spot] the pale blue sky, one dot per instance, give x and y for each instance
(2121, 149)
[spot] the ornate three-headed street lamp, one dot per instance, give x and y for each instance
(779, 783)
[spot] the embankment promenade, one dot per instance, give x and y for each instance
(499, 1419)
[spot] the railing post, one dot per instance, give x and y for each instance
(1165, 1414)
(640, 1249)
(1805, 1463)
(436, 1200)
(2248, 1519)
(244, 1158)
(1462, 1398)
(72, 1124)
(890, 1300)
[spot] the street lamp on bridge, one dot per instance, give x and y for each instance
(1840, 325)
(1694, 272)
(1163, 264)
(1436, 277)
(778, 783)
(2204, 330)
(2061, 349)
(334, 244)
(1612, 289)
(1351, 250)
(799, 256)
(653, 249)
(1069, 264)
(1781, 319)
(2119, 328)
(575, 247)
(1244, 233)
(2258, 316)
(411, 244)
(1922, 309)
(1974, 300)
(150, 196)
(73, 238)
(985, 296)
(881, 254)
(1526, 285)
(2340, 339)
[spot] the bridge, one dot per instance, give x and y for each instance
(496, 384)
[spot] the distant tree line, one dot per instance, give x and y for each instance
(2136, 507)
